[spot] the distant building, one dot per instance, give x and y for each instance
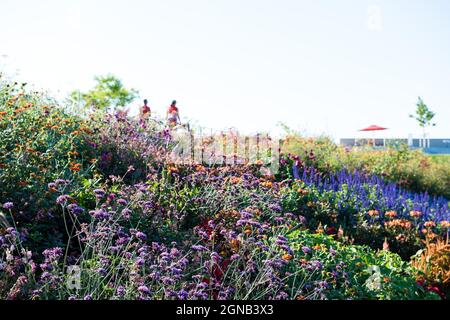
(431, 146)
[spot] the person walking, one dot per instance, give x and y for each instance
(173, 115)
(145, 111)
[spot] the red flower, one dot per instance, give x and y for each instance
(436, 290)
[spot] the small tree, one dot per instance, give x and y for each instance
(424, 116)
(108, 92)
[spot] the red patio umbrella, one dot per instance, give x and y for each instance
(374, 128)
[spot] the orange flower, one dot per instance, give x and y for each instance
(2, 113)
(399, 223)
(235, 180)
(391, 214)
(445, 224)
(430, 224)
(235, 244)
(415, 214)
(54, 127)
(287, 257)
(259, 162)
(173, 170)
(76, 167)
(373, 213)
(200, 168)
(248, 232)
(303, 192)
(266, 184)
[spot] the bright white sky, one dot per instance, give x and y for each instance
(321, 66)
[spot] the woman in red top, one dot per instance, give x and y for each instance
(173, 116)
(145, 111)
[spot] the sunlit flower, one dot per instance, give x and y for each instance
(373, 213)
(430, 224)
(391, 214)
(287, 257)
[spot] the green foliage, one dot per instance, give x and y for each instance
(109, 91)
(424, 116)
(357, 271)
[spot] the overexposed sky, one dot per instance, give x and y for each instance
(320, 66)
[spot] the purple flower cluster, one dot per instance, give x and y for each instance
(369, 192)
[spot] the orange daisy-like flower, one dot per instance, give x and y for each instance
(405, 224)
(415, 214)
(303, 192)
(373, 213)
(200, 168)
(235, 180)
(430, 224)
(76, 167)
(266, 184)
(173, 170)
(391, 214)
(287, 257)
(445, 224)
